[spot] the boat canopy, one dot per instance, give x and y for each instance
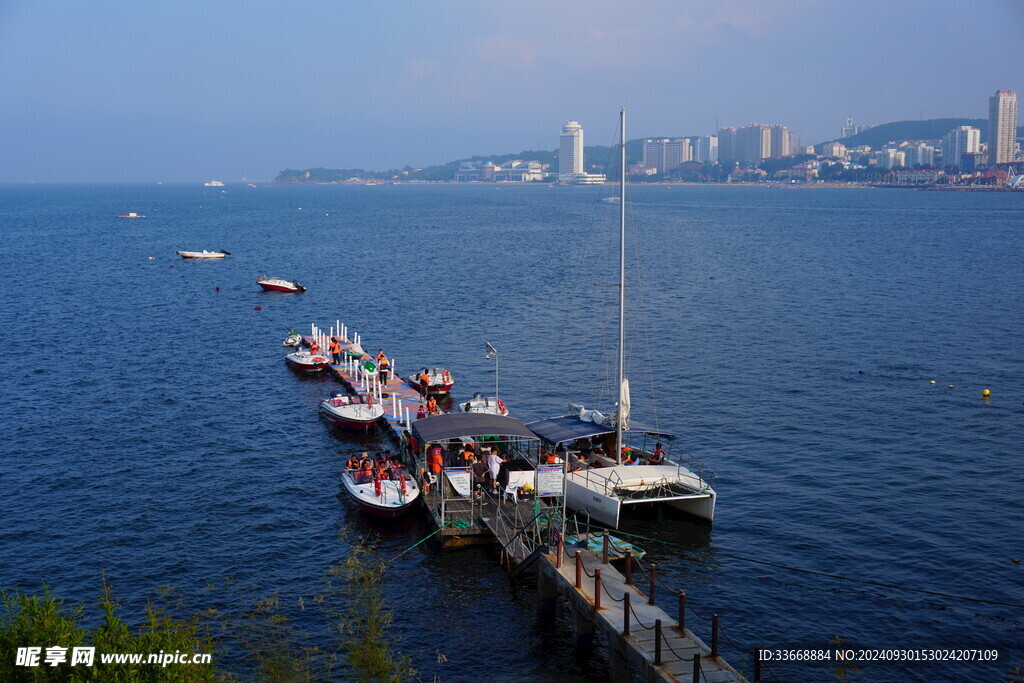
(569, 428)
(457, 425)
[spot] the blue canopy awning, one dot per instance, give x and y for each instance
(461, 425)
(569, 428)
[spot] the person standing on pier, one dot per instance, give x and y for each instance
(335, 349)
(425, 381)
(383, 367)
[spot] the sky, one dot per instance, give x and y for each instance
(137, 91)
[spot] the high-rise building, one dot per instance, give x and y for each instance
(849, 129)
(833, 149)
(570, 152)
(754, 142)
(959, 143)
(1002, 127)
(664, 154)
(919, 154)
(706, 149)
(727, 144)
(779, 142)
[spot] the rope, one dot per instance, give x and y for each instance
(606, 592)
(694, 613)
(637, 619)
(422, 540)
(678, 656)
(731, 642)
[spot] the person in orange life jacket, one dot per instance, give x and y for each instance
(335, 349)
(432, 406)
(425, 381)
(435, 458)
(468, 455)
(383, 366)
(658, 456)
(314, 348)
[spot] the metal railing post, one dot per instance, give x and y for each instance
(629, 568)
(650, 596)
(682, 610)
(625, 613)
(657, 644)
(696, 666)
(604, 557)
(714, 635)
(561, 549)
(597, 589)
(579, 573)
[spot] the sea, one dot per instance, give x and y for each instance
(822, 352)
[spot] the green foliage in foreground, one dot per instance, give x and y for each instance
(351, 601)
(47, 621)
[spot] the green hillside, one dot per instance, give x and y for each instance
(931, 129)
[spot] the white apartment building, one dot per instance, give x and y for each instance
(1002, 127)
(958, 143)
(706, 149)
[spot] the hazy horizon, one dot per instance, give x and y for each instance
(122, 92)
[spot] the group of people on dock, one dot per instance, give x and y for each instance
(489, 468)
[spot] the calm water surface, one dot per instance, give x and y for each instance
(152, 431)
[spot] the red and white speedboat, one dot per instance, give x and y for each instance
(276, 284)
(438, 381)
(481, 403)
(203, 254)
(309, 362)
(386, 495)
(351, 412)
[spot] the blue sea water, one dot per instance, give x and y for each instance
(152, 432)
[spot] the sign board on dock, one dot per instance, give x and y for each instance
(549, 481)
(460, 481)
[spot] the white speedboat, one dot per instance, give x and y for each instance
(214, 183)
(612, 200)
(203, 254)
(306, 361)
(293, 338)
(388, 493)
(277, 284)
(351, 412)
(481, 403)
(432, 381)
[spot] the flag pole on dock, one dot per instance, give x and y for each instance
(491, 352)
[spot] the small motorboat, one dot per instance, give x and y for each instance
(612, 200)
(351, 412)
(214, 183)
(388, 493)
(595, 543)
(438, 381)
(132, 215)
(276, 284)
(203, 254)
(481, 403)
(306, 361)
(293, 339)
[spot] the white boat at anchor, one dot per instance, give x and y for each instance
(358, 413)
(385, 494)
(481, 403)
(203, 254)
(610, 472)
(307, 361)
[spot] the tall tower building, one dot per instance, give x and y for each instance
(706, 149)
(570, 152)
(958, 143)
(727, 144)
(849, 129)
(780, 142)
(754, 142)
(1002, 127)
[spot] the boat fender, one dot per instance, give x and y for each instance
(376, 485)
(369, 399)
(402, 481)
(501, 406)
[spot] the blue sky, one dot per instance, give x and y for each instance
(181, 91)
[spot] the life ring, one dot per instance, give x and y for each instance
(501, 407)
(447, 377)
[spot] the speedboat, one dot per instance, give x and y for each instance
(293, 339)
(306, 361)
(612, 200)
(481, 403)
(276, 284)
(386, 494)
(438, 381)
(131, 215)
(203, 254)
(351, 412)
(214, 183)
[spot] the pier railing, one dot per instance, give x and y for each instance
(631, 621)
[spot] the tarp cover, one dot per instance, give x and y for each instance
(570, 428)
(456, 425)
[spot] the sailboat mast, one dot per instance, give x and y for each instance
(622, 278)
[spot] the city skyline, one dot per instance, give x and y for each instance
(128, 92)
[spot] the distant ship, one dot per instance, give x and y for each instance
(214, 183)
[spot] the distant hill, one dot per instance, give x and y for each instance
(598, 155)
(931, 129)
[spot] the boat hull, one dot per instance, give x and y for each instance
(306, 367)
(202, 254)
(280, 288)
(431, 390)
(387, 506)
(591, 492)
(352, 422)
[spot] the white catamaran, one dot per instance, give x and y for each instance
(611, 462)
